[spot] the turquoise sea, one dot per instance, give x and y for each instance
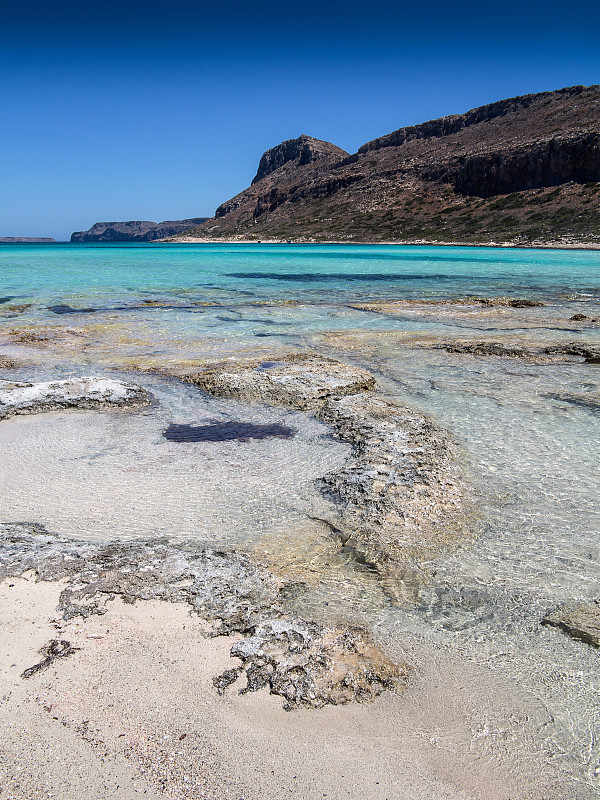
(528, 431)
(317, 272)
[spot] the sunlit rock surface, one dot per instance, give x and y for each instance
(31, 398)
(400, 495)
(305, 663)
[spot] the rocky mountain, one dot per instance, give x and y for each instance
(521, 170)
(134, 231)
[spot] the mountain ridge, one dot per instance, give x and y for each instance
(519, 170)
(134, 230)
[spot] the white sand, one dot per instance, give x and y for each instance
(134, 714)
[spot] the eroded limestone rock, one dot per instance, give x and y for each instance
(301, 380)
(568, 351)
(305, 663)
(400, 496)
(311, 665)
(579, 621)
(32, 398)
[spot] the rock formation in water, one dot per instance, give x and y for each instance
(520, 170)
(581, 621)
(17, 397)
(134, 231)
(400, 496)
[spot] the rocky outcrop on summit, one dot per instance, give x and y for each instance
(134, 230)
(303, 150)
(522, 170)
(290, 172)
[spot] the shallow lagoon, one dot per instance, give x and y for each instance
(529, 433)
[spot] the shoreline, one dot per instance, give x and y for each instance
(411, 243)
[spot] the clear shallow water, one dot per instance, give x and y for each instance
(530, 434)
(225, 271)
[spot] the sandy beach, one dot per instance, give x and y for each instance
(133, 712)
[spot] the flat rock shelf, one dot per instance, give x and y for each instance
(400, 496)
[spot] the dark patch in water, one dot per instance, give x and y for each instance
(269, 365)
(7, 299)
(64, 309)
(588, 403)
(227, 432)
(311, 277)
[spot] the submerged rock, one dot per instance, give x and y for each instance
(488, 349)
(579, 621)
(32, 398)
(7, 363)
(301, 380)
(399, 496)
(305, 663)
(590, 353)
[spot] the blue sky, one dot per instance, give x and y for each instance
(161, 111)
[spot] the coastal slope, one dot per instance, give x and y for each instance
(523, 170)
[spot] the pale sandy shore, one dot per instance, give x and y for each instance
(133, 713)
(545, 245)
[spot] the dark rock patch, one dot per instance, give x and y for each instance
(589, 352)
(227, 432)
(54, 649)
(6, 299)
(487, 349)
(61, 308)
(579, 621)
(7, 363)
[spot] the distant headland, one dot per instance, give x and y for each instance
(135, 230)
(27, 239)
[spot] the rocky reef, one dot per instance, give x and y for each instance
(400, 497)
(581, 621)
(305, 663)
(17, 397)
(568, 351)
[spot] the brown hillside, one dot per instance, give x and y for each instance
(521, 170)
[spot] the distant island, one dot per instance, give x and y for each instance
(135, 230)
(523, 171)
(30, 239)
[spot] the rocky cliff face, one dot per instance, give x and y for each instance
(519, 170)
(303, 150)
(135, 230)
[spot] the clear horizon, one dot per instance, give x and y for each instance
(150, 113)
